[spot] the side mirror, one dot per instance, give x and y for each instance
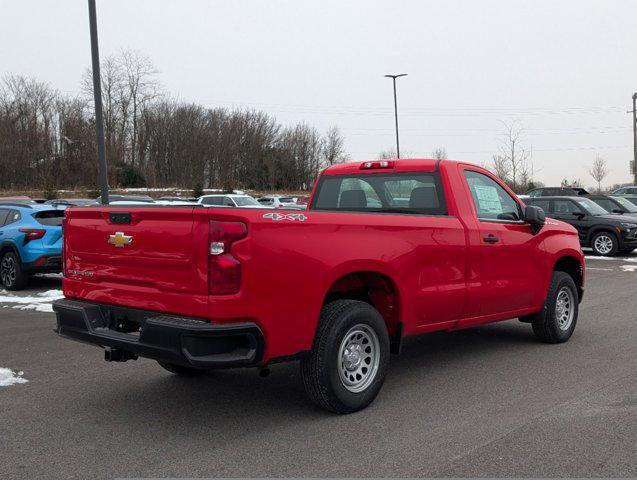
(617, 210)
(535, 217)
(579, 215)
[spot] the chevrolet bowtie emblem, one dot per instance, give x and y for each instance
(120, 240)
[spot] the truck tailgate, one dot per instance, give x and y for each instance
(145, 257)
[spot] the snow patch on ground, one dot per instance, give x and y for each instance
(623, 259)
(629, 268)
(40, 303)
(50, 275)
(8, 377)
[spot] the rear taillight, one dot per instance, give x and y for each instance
(224, 271)
(32, 234)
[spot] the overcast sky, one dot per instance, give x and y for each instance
(565, 70)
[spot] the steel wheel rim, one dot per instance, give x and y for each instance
(604, 244)
(8, 271)
(358, 358)
(565, 308)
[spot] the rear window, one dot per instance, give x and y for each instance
(286, 200)
(51, 218)
(418, 193)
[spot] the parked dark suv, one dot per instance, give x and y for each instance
(606, 233)
(554, 191)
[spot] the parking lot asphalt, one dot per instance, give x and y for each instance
(487, 401)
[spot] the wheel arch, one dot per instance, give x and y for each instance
(8, 246)
(599, 229)
(375, 287)
(573, 267)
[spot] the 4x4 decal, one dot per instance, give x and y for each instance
(285, 216)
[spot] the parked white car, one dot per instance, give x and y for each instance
(279, 201)
(230, 200)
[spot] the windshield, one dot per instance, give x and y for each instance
(245, 201)
(630, 207)
(591, 207)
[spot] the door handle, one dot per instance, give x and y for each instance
(491, 239)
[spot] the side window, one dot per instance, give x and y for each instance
(606, 204)
(535, 193)
(13, 217)
(565, 207)
(492, 202)
(631, 191)
(212, 201)
(3, 216)
(621, 191)
(227, 201)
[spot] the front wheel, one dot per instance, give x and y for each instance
(605, 244)
(349, 359)
(556, 321)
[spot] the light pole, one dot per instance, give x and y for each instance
(634, 112)
(97, 93)
(394, 77)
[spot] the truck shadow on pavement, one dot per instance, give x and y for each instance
(240, 399)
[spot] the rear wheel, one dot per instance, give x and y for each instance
(349, 359)
(605, 244)
(11, 274)
(181, 370)
(556, 321)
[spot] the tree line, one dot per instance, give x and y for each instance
(48, 142)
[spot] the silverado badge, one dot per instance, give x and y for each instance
(120, 240)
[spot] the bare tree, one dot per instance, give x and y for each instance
(513, 152)
(598, 171)
(439, 153)
(501, 167)
(386, 154)
(333, 147)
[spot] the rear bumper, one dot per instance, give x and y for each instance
(46, 263)
(179, 340)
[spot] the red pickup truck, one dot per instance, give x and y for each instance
(386, 249)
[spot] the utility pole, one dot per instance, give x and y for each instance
(394, 77)
(97, 93)
(634, 112)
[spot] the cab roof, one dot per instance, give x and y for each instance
(398, 165)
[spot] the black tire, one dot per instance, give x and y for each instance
(612, 238)
(546, 325)
(323, 377)
(12, 276)
(181, 370)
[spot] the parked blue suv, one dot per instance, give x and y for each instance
(30, 242)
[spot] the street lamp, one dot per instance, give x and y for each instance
(97, 93)
(634, 112)
(394, 77)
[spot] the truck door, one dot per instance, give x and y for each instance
(505, 262)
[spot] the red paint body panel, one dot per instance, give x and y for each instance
(444, 275)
